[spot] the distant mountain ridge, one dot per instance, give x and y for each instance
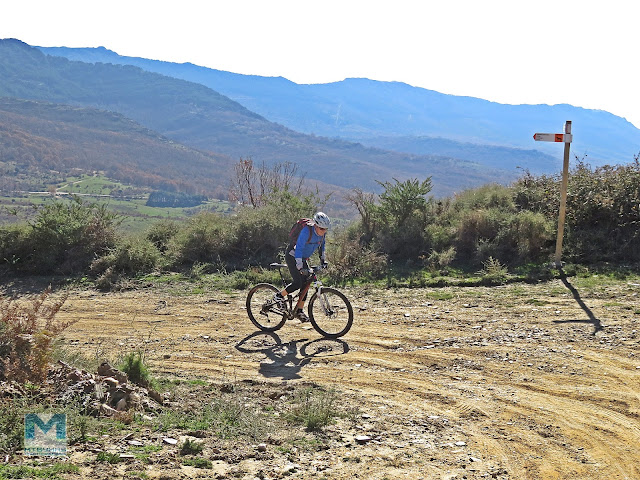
(201, 118)
(363, 110)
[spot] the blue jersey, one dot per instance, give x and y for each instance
(305, 246)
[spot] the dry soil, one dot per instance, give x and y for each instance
(512, 382)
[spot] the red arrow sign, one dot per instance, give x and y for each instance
(553, 137)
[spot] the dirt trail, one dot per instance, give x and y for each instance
(518, 382)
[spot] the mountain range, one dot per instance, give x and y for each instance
(348, 134)
(422, 121)
(200, 118)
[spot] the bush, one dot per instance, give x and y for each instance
(532, 234)
(203, 463)
(162, 233)
(254, 236)
(349, 259)
(403, 216)
(493, 272)
(131, 256)
(13, 248)
(491, 196)
(603, 213)
(314, 408)
(11, 426)
(439, 260)
(488, 224)
(63, 238)
(205, 238)
(133, 365)
(27, 334)
(191, 447)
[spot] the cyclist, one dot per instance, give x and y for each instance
(311, 238)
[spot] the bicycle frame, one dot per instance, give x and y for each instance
(313, 280)
(333, 311)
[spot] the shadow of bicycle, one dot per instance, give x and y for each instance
(286, 360)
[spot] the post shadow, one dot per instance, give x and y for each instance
(597, 325)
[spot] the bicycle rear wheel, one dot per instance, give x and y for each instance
(330, 313)
(262, 311)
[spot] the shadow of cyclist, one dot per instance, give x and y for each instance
(285, 360)
(592, 318)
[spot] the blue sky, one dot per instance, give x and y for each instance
(576, 52)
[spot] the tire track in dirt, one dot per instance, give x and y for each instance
(531, 383)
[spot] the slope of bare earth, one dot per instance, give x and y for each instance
(514, 382)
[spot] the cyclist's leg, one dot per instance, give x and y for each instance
(303, 296)
(299, 282)
(297, 278)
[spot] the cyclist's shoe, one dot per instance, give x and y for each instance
(278, 300)
(300, 315)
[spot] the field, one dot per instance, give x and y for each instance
(513, 382)
(127, 201)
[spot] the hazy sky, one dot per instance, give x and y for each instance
(579, 52)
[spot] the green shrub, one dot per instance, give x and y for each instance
(132, 255)
(13, 248)
(254, 236)
(403, 216)
(491, 196)
(602, 215)
(488, 224)
(494, 272)
(50, 472)
(11, 426)
(223, 416)
(66, 236)
(438, 260)
(532, 235)
(108, 457)
(191, 447)
(162, 233)
(349, 259)
(198, 463)
(133, 365)
(63, 238)
(204, 238)
(314, 408)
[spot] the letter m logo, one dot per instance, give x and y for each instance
(45, 422)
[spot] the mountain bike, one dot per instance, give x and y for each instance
(330, 311)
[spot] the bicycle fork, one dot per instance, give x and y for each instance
(322, 298)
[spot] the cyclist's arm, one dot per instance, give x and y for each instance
(321, 251)
(300, 246)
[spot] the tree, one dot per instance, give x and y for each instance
(253, 185)
(365, 203)
(401, 200)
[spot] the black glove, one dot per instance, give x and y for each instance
(305, 272)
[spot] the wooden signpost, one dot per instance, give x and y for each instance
(566, 138)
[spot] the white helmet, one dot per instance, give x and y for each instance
(322, 220)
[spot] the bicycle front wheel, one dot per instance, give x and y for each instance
(330, 313)
(262, 311)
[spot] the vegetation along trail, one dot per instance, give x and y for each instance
(519, 381)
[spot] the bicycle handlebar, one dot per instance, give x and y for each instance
(315, 268)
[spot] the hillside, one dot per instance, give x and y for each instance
(363, 110)
(39, 138)
(201, 118)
